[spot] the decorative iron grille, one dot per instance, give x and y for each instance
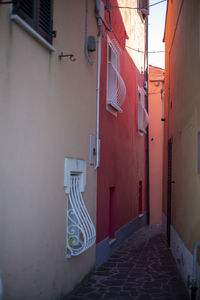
(117, 92)
(81, 233)
(116, 89)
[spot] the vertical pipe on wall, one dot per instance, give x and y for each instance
(98, 91)
(112, 213)
(100, 20)
(147, 135)
(140, 199)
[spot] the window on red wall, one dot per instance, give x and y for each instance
(143, 118)
(116, 89)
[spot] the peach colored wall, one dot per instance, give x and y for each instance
(47, 112)
(156, 90)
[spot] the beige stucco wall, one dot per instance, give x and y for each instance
(183, 121)
(136, 32)
(47, 112)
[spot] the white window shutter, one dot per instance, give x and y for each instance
(143, 118)
(116, 89)
(140, 111)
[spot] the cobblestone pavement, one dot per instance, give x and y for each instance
(141, 269)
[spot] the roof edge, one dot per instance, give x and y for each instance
(165, 21)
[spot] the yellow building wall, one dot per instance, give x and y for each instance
(182, 108)
(47, 112)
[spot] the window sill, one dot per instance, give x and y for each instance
(111, 110)
(114, 106)
(112, 241)
(32, 32)
(141, 133)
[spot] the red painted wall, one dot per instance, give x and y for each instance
(123, 159)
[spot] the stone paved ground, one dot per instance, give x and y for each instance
(141, 269)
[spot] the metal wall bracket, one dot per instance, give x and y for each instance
(71, 56)
(54, 33)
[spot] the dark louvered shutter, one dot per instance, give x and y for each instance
(27, 6)
(38, 14)
(44, 21)
(144, 6)
(26, 10)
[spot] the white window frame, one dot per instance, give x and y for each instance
(143, 118)
(116, 89)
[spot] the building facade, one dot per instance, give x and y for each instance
(47, 114)
(121, 191)
(182, 147)
(156, 130)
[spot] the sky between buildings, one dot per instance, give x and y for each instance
(156, 33)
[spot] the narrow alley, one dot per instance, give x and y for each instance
(100, 136)
(141, 269)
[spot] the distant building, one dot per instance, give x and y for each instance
(156, 131)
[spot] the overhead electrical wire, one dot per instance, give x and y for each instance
(157, 3)
(159, 51)
(140, 51)
(128, 7)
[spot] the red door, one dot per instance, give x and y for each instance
(169, 192)
(140, 198)
(112, 214)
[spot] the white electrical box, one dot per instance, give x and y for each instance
(73, 166)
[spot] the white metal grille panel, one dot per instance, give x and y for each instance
(81, 233)
(116, 89)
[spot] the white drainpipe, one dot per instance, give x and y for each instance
(98, 92)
